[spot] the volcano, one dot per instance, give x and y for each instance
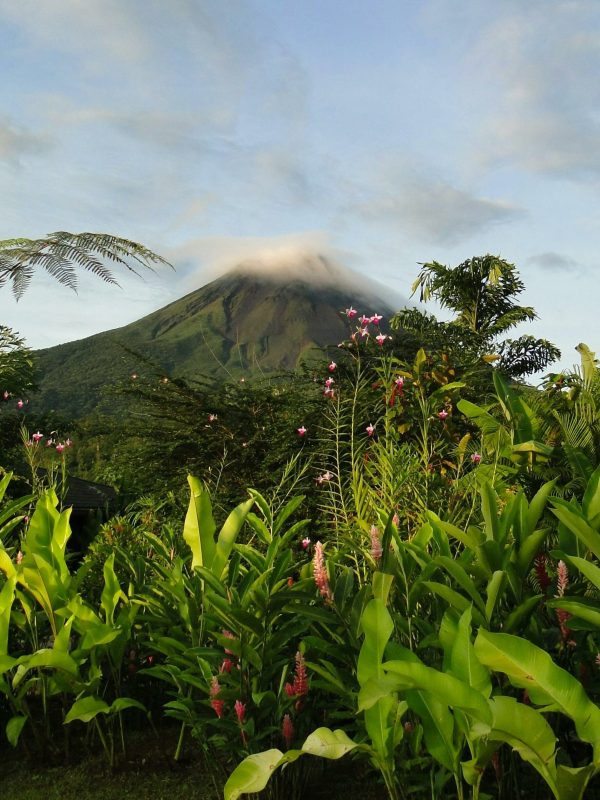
(247, 321)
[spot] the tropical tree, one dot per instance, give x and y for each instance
(482, 294)
(60, 252)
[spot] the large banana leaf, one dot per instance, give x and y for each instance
(531, 668)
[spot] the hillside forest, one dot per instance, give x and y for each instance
(388, 555)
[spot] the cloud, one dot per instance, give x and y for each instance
(431, 208)
(16, 141)
(540, 63)
(555, 262)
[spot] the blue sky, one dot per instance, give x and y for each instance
(383, 133)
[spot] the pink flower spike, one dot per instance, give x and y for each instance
(37, 436)
(351, 312)
(562, 583)
(443, 414)
(376, 549)
(370, 429)
(60, 447)
(332, 366)
(305, 543)
(301, 431)
(287, 729)
(19, 557)
(240, 711)
(20, 404)
(476, 458)
(376, 319)
(329, 382)
(320, 572)
(226, 665)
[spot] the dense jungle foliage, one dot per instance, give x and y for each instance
(392, 561)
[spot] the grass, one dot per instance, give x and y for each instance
(148, 772)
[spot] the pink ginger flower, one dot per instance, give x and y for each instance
(329, 382)
(396, 519)
(20, 404)
(301, 431)
(370, 429)
(240, 711)
(19, 557)
(60, 447)
(305, 543)
(299, 688)
(287, 729)
(320, 572)
(376, 319)
(226, 665)
(228, 635)
(216, 705)
(37, 436)
(476, 458)
(562, 582)
(443, 414)
(351, 312)
(376, 549)
(332, 366)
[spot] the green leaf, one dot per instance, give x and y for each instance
(527, 732)
(529, 667)
(448, 689)
(572, 781)
(455, 599)
(328, 744)
(538, 504)
(579, 609)
(228, 535)
(591, 497)
(495, 584)
(86, 708)
(253, 774)
(199, 526)
(377, 627)
(14, 726)
(521, 614)
(438, 728)
(577, 525)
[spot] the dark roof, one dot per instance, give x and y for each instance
(88, 496)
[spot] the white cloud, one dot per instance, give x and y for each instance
(16, 141)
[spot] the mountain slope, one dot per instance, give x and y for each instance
(241, 323)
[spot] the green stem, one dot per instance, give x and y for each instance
(179, 747)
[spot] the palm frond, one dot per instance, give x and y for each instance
(61, 252)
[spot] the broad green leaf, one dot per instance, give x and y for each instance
(520, 615)
(86, 708)
(463, 663)
(7, 596)
(438, 728)
(448, 689)
(56, 659)
(581, 610)
(460, 576)
(577, 525)
(121, 703)
(489, 510)
(572, 781)
(382, 583)
(529, 667)
(591, 497)
(471, 539)
(527, 732)
(14, 726)
(494, 587)
(112, 592)
(589, 570)
(377, 627)
(455, 599)
(253, 774)
(529, 549)
(328, 744)
(199, 526)
(228, 535)
(537, 505)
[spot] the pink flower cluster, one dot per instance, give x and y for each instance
(37, 437)
(363, 326)
(320, 572)
(299, 687)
